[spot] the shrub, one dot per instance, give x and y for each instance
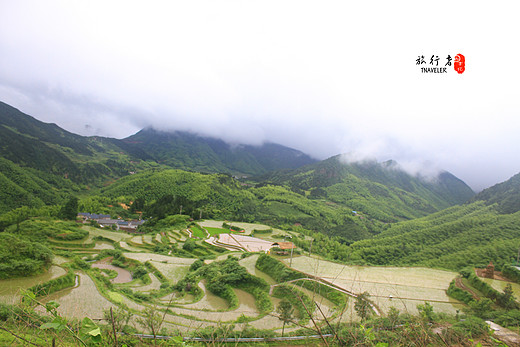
(459, 294)
(139, 272)
(471, 327)
(276, 269)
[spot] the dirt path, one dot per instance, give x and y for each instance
(497, 275)
(458, 283)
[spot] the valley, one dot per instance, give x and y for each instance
(194, 238)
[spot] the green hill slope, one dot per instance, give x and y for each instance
(186, 151)
(222, 197)
(379, 190)
(29, 187)
(487, 229)
(506, 195)
(30, 143)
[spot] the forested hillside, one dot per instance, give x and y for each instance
(506, 195)
(472, 234)
(381, 190)
(222, 197)
(30, 143)
(30, 187)
(187, 151)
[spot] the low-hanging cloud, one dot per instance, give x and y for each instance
(323, 78)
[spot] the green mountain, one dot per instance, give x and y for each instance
(506, 195)
(483, 230)
(219, 196)
(46, 147)
(30, 143)
(380, 191)
(182, 150)
(41, 163)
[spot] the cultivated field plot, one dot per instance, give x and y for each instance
(154, 285)
(126, 246)
(113, 235)
(100, 245)
(403, 288)
(138, 240)
(123, 275)
(173, 272)
(500, 286)
(148, 239)
(249, 264)
(247, 227)
(216, 231)
(82, 301)
(10, 289)
(248, 243)
(142, 257)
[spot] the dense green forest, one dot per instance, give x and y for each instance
(382, 190)
(505, 195)
(188, 151)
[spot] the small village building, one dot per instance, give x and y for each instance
(105, 221)
(285, 247)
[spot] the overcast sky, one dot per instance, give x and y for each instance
(324, 77)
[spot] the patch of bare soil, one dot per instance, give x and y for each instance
(497, 275)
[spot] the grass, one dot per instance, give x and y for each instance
(217, 231)
(198, 231)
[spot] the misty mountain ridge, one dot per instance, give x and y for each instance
(32, 143)
(381, 189)
(377, 188)
(185, 150)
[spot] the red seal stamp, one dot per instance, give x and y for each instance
(459, 63)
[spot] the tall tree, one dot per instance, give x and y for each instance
(70, 209)
(508, 299)
(362, 306)
(286, 310)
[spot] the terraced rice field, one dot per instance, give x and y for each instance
(100, 245)
(126, 246)
(123, 275)
(137, 240)
(216, 231)
(501, 285)
(142, 257)
(403, 288)
(249, 264)
(113, 235)
(10, 289)
(148, 239)
(154, 285)
(247, 227)
(82, 301)
(173, 272)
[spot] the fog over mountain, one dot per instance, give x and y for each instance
(323, 78)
